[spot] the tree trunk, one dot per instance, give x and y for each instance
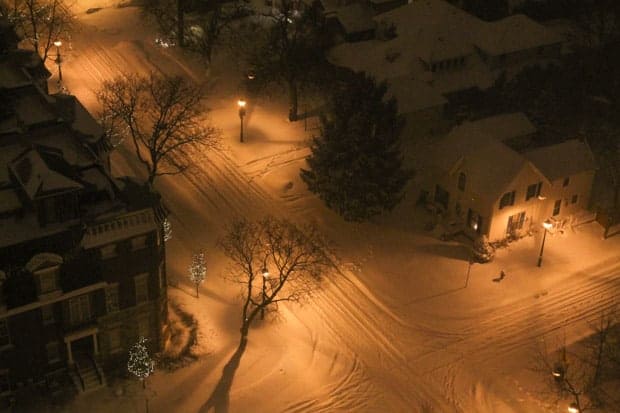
(292, 93)
(180, 23)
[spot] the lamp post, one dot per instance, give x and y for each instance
(547, 226)
(58, 43)
(241, 103)
(265, 272)
(573, 408)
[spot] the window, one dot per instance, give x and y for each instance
(556, 207)
(5, 384)
(138, 243)
(111, 298)
(533, 190)
(566, 181)
(114, 340)
(108, 251)
(47, 279)
(142, 287)
(47, 314)
(5, 338)
(79, 309)
(144, 327)
(462, 180)
(574, 199)
(507, 199)
(53, 352)
(515, 222)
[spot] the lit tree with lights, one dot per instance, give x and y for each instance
(140, 364)
(197, 269)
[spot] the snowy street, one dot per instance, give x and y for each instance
(403, 325)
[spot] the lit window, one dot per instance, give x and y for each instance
(108, 251)
(53, 352)
(138, 243)
(79, 309)
(47, 314)
(141, 287)
(111, 298)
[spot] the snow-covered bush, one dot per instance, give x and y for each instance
(483, 251)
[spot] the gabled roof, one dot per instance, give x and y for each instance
(513, 33)
(562, 160)
(356, 18)
(501, 127)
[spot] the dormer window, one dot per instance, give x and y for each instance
(45, 268)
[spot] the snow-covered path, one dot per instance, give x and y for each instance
(393, 330)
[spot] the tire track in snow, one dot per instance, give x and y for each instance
(498, 336)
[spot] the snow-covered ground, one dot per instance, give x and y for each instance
(404, 325)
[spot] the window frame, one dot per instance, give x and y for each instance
(80, 305)
(47, 314)
(50, 345)
(114, 331)
(533, 191)
(139, 242)
(108, 251)
(111, 298)
(141, 280)
(510, 199)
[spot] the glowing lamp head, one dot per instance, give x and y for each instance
(241, 103)
(57, 43)
(547, 225)
(573, 408)
(265, 272)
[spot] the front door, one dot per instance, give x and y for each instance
(82, 347)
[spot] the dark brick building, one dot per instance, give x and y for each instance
(82, 255)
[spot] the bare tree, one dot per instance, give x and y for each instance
(161, 114)
(42, 22)
(275, 261)
(578, 374)
(291, 52)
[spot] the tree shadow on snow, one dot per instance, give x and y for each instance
(219, 399)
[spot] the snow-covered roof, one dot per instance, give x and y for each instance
(413, 95)
(356, 18)
(37, 179)
(501, 127)
(513, 33)
(562, 160)
(11, 76)
(33, 107)
(82, 121)
(434, 29)
(475, 146)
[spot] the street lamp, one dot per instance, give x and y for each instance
(58, 43)
(547, 226)
(573, 408)
(241, 103)
(265, 272)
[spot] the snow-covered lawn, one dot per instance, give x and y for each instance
(394, 328)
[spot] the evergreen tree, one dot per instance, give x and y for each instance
(355, 165)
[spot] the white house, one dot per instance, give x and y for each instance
(491, 189)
